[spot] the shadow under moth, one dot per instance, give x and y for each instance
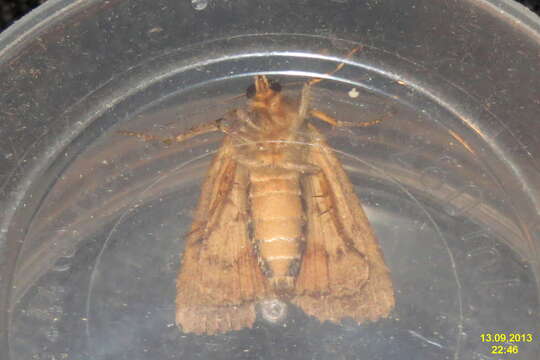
(277, 219)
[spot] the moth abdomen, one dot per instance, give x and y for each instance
(277, 217)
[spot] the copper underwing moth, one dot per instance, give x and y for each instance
(277, 219)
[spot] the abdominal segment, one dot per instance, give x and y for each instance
(277, 224)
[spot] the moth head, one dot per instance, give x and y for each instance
(266, 99)
(263, 88)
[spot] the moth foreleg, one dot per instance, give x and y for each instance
(243, 116)
(338, 123)
(303, 109)
(339, 67)
(216, 125)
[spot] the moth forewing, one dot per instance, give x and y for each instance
(220, 279)
(343, 273)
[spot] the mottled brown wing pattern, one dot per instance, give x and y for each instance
(343, 273)
(220, 278)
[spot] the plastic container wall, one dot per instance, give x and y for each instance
(92, 222)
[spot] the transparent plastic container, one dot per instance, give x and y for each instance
(92, 222)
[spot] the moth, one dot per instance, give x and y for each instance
(277, 219)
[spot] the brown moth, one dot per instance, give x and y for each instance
(277, 219)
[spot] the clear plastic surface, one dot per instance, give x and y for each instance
(92, 222)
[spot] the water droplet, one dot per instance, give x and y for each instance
(199, 4)
(273, 310)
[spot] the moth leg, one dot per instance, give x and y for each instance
(305, 98)
(334, 122)
(243, 116)
(303, 109)
(339, 67)
(216, 125)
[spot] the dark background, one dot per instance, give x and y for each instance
(11, 10)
